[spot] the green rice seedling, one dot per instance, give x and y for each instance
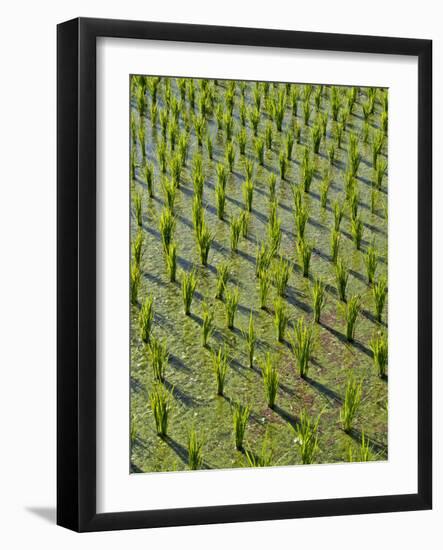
(141, 101)
(189, 282)
(304, 252)
(338, 210)
(251, 339)
(316, 135)
(230, 155)
(338, 134)
(183, 144)
(169, 192)
(222, 175)
(259, 146)
(324, 189)
(162, 158)
(204, 241)
(263, 259)
(256, 93)
(379, 348)
(138, 208)
(209, 147)
(318, 298)
(208, 323)
(307, 172)
(272, 183)
(241, 140)
(364, 452)
(280, 275)
(381, 167)
(302, 344)
(231, 303)
(175, 168)
(171, 261)
(384, 122)
(280, 319)
(191, 93)
(173, 134)
(261, 460)
(353, 201)
(240, 419)
(245, 218)
(133, 129)
(219, 116)
(307, 437)
(133, 163)
(323, 122)
(195, 450)
(220, 199)
(279, 111)
(341, 277)
(352, 310)
(334, 245)
(160, 401)
(357, 231)
(243, 112)
(148, 176)
(220, 366)
(379, 292)
(301, 218)
(228, 122)
(307, 110)
(283, 164)
(153, 85)
(137, 247)
(264, 285)
(268, 136)
(199, 128)
(158, 357)
(164, 121)
(297, 132)
(354, 159)
(243, 85)
(135, 276)
(378, 140)
(248, 193)
(350, 185)
(249, 168)
(222, 279)
(344, 117)
(146, 318)
(254, 119)
(181, 84)
(197, 214)
(270, 380)
(318, 98)
(366, 111)
(289, 142)
(154, 114)
(331, 153)
(295, 96)
(335, 104)
(235, 230)
(374, 199)
(371, 261)
(351, 403)
(142, 140)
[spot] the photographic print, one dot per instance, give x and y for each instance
(258, 274)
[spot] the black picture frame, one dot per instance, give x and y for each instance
(76, 278)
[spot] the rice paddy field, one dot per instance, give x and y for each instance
(258, 275)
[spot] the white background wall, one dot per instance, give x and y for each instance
(27, 274)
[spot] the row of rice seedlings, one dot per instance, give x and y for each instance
(379, 348)
(160, 401)
(189, 283)
(251, 339)
(270, 380)
(146, 318)
(351, 403)
(351, 310)
(318, 298)
(207, 327)
(220, 367)
(281, 318)
(240, 417)
(306, 431)
(158, 357)
(302, 344)
(231, 303)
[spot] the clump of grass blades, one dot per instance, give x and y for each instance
(183, 144)
(264, 285)
(259, 146)
(220, 366)
(377, 146)
(209, 146)
(302, 343)
(158, 356)
(220, 199)
(364, 452)
(324, 189)
(249, 168)
(379, 292)
(207, 324)
(195, 450)
(200, 128)
(380, 170)
(289, 142)
(148, 176)
(229, 124)
(204, 241)
(301, 219)
(245, 218)
(352, 309)
(241, 140)
(138, 208)
(335, 244)
(353, 201)
(338, 210)
(160, 401)
(280, 319)
(230, 155)
(272, 183)
(222, 279)
(171, 261)
(318, 298)
(167, 227)
(240, 417)
(231, 303)
(248, 193)
(307, 171)
(304, 252)
(137, 247)
(341, 276)
(169, 191)
(135, 276)
(189, 282)
(251, 339)
(307, 437)
(235, 229)
(270, 380)
(268, 136)
(357, 231)
(379, 348)
(351, 403)
(222, 175)
(254, 118)
(281, 273)
(283, 164)
(197, 214)
(316, 135)
(371, 261)
(263, 259)
(274, 232)
(307, 109)
(262, 460)
(146, 318)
